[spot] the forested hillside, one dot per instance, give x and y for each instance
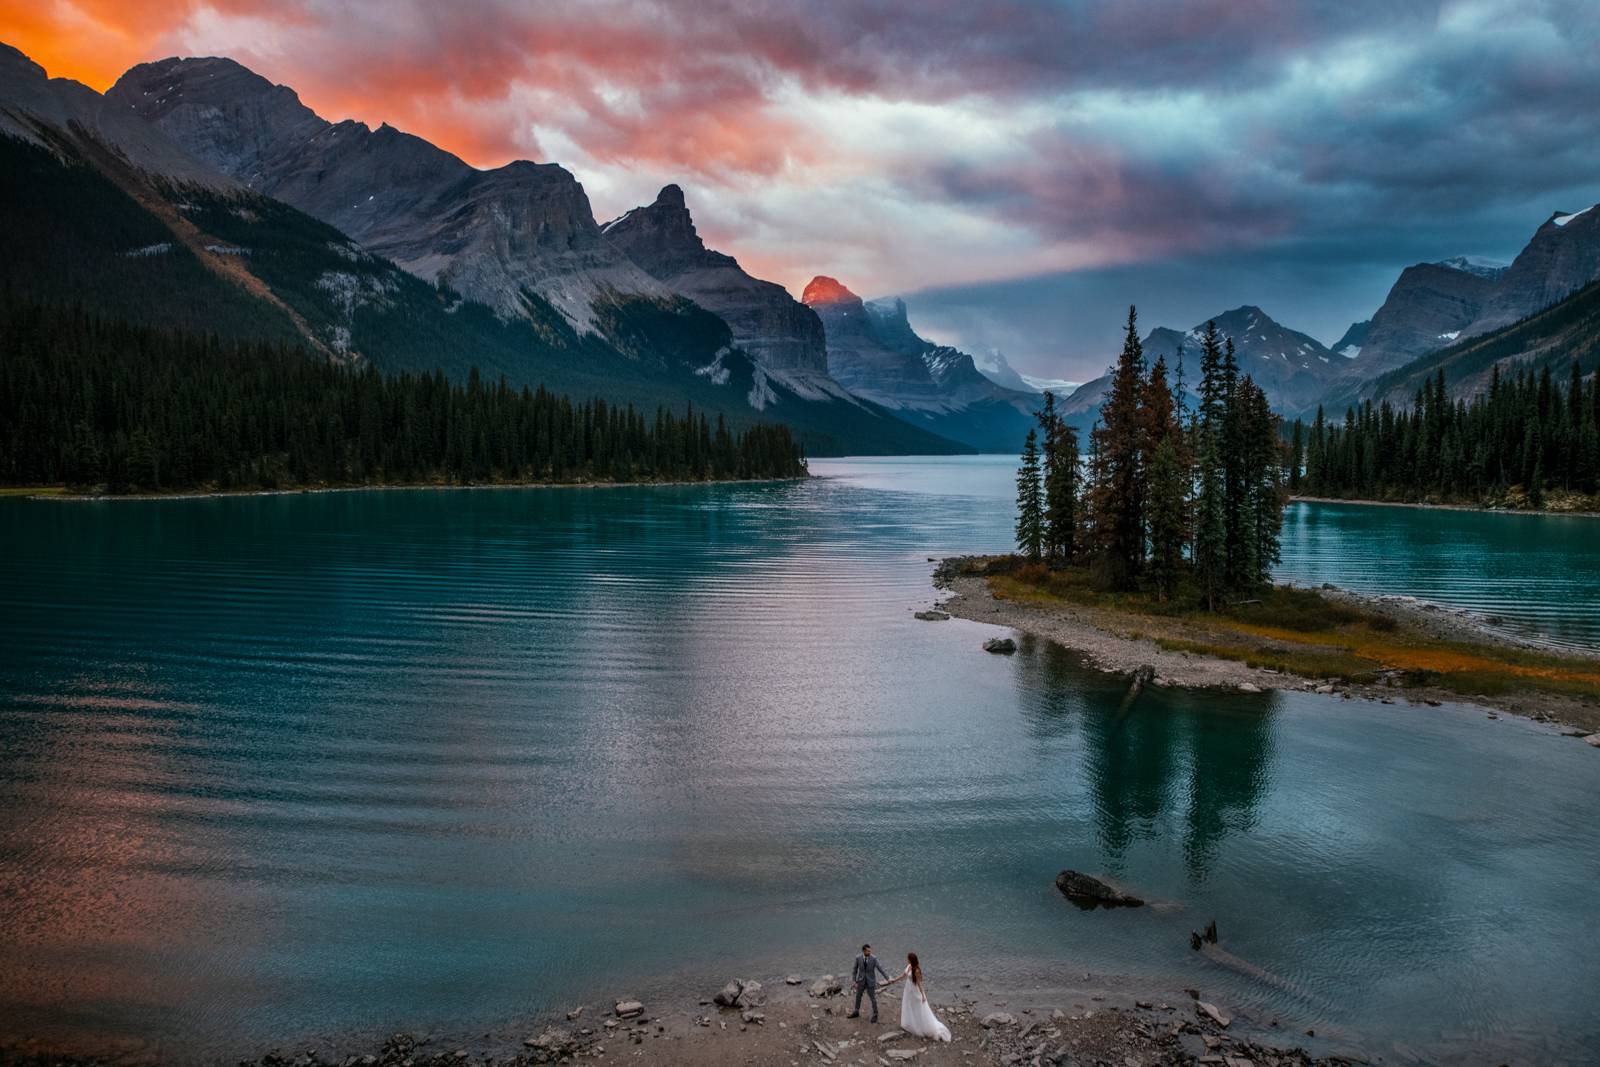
(94, 403)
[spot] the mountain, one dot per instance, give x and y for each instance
(1429, 305)
(783, 335)
(993, 366)
(1479, 265)
(874, 352)
(1349, 346)
(1554, 338)
(102, 209)
(492, 235)
(1293, 368)
(1455, 314)
(1562, 256)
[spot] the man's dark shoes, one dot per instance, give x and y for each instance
(853, 1015)
(874, 1018)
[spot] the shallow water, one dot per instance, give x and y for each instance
(302, 767)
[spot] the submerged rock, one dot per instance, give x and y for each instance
(932, 616)
(1086, 891)
(1001, 645)
(1593, 739)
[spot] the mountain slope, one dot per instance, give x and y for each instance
(490, 234)
(1355, 338)
(874, 352)
(81, 222)
(1293, 368)
(1429, 305)
(1562, 256)
(779, 332)
(1555, 337)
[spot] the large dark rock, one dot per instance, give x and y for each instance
(1086, 891)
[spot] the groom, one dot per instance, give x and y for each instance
(865, 976)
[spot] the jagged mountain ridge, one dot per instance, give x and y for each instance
(1561, 257)
(123, 229)
(1429, 306)
(874, 352)
(782, 334)
(1555, 337)
(1294, 369)
(490, 234)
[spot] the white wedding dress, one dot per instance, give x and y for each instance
(916, 1014)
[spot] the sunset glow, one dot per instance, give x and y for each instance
(1247, 145)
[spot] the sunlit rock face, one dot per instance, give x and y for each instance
(490, 234)
(781, 333)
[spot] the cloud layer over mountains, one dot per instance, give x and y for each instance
(1287, 154)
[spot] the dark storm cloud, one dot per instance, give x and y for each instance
(1188, 156)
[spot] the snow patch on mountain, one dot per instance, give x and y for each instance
(1482, 266)
(1058, 386)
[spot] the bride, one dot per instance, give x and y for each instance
(916, 1015)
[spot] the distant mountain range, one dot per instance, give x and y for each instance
(198, 195)
(874, 352)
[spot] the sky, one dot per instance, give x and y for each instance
(1020, 172)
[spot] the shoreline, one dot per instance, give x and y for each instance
(44, 493)
(1111, 642)
(801, 1019)
(1425, 506)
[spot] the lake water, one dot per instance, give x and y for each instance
(292, 769)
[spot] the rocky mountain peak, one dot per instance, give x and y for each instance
(825, 290)
(765, 320)
(15, 63)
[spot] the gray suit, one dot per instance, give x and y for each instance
(865, 976)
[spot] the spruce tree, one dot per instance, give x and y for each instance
(1119, 498)
(1060, 484)
(1030, 505)
(1210, 519)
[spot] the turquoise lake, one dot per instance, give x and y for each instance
(291, 770)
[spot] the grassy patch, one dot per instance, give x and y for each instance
(32, 490)
(1300, 632)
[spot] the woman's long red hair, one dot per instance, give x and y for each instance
(916, 968)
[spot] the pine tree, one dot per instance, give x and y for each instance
(1210, 519)
(1118, 498)
(1030, 506)
(1060, 484)
(1168, 520)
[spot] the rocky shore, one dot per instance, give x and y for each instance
(1112, 642)
(802, 1021)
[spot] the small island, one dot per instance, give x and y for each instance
(1154, 558)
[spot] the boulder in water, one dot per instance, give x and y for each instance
(1001, 645)
(1086, 891)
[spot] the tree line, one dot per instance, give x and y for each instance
(96, 403)
(1167, 499)
(1526, 431)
